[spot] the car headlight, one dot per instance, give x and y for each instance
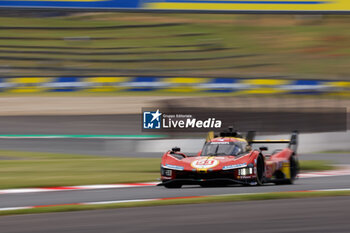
(245, 171)
(166, 172)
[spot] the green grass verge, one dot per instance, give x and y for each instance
(316, 165)
(209, 199)
(35, 169)
(335, 152)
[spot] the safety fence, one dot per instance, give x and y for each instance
(242, 86)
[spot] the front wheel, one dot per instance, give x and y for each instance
(260, 170)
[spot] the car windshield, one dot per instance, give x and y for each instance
(221, 148)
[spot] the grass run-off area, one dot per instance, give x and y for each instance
(175, 44)
(198, 200)
(34, 169)
(316, 165)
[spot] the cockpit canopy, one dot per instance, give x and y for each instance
(222, 148)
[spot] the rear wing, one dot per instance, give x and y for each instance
(292, 142)
(271, 141)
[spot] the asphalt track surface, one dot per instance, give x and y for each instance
(72, 124)
(314, 215)
(78, 196)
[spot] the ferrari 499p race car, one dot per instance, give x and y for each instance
(229, 159)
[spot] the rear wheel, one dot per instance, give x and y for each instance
(294, 170)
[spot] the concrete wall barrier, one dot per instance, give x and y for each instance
(308, 143)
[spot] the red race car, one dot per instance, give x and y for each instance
(229, 159)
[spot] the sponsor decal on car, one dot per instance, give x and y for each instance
(204, 163)
(244, 177)
(220, 143)
(228, 167)
(174, 167)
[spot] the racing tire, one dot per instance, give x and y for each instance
(172, 186)
(260, 170)
(294, 170)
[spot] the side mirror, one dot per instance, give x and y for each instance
(263, 148)
(176, 149)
